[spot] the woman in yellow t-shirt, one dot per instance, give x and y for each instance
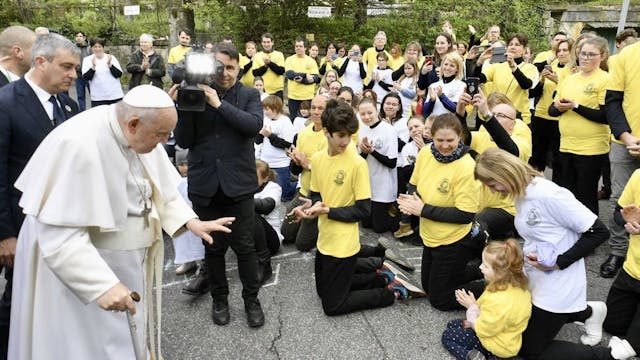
(544, 127)
(446, 202)
(582, 121)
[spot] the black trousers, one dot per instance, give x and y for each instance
(542, 328)
(95, 103)
(444, 270)
(271, 239)
(623, 314)
(545, 138)
(580, 174)
(240, 240)
(381, 220)
(343, 287)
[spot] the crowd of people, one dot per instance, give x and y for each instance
(446, 150)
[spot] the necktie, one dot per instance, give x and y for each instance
(58, 115)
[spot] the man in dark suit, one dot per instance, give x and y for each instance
(31, 108)
(223, 180)
(15, 53)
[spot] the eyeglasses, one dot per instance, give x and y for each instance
(504, 116)
(586, 55)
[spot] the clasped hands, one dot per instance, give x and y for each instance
(307, 210)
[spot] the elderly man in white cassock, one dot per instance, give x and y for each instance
(97, 194)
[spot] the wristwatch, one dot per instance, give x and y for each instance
(488, 116)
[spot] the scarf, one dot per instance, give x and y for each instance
(445, 159)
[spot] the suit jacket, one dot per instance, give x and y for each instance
(3, 80)
(23, 125)
(220, 143)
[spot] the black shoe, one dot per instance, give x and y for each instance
(255, 316)
(220, 311)
(610, 267)
(265, 272)
(198, 285)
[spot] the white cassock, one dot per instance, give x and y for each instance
(83, 194)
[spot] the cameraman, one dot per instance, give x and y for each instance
(222, 178)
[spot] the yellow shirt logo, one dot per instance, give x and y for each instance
(444, 186)
(339, 178)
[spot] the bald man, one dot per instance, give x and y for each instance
(15, 53)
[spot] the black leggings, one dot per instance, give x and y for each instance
(543, 327)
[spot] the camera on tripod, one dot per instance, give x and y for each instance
(199, 68)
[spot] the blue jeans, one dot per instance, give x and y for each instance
(283, 179)
(81, 86)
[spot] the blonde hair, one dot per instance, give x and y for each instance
(455, 58)
(265, 171)
(498, 165)
(416, 71)
(506, 260)
(496, 98)
(603, 46)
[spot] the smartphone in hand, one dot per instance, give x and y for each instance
(548, 68)
(473, 85)
(499, 55)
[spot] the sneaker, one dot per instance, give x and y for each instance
(186, 268)
(393, 268)
(593, 325)
(620, 348)
(475, 355)
(404, 230)
(384, 243)
(415, 290)
(385, 272)
(404, 291)
(394, 255)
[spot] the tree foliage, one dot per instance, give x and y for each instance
(285, 19)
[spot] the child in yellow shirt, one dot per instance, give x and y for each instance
(494, 322)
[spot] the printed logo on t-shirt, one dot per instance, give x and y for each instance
(411, 159)
(377, 144)
(533, 218)
(589, 89)
(339, 178)
(444, 186)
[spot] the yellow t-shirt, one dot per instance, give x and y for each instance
(542, 108)
(306, 65)
(341, 180)
(504, 82)
(309, 142)
(394, 63)
(370, 59)
(625, 76)
(448, 185)
(504, 316)
(272, 81)
(631, 196)
(544, 56)
(481, 141)
(577, 134)
(496, 200)
(247, 78)
(176, 54)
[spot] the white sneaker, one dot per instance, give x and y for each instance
(620, 348)
(593, 325)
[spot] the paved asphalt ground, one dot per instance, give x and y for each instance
(296, 327)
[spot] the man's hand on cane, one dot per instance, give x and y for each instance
(118, 298)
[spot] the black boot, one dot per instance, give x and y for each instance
(255, 316)
(199, 284)
(265, 272)
(220, 310)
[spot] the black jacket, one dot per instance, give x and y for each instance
(156, 69)
(220, 143)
